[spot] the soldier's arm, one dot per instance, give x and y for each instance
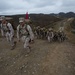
(2, 32)
(18, 35)
(30, 32)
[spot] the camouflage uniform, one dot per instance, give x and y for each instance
(24, 33)
(8, 31)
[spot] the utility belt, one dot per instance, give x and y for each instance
(5, 31)
(24, 35)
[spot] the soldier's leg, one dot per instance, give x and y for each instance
(51, 39)
(27, 45)
(12, 42)
(48, 39)
(7, 37)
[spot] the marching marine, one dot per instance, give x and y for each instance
(24, 33)
(50, 35)
(7, 31)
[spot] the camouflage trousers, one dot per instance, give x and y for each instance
(10, 38)
(25, 40)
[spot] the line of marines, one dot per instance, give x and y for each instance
(50, 34)
(26, 35)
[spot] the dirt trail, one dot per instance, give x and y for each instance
(44, 59)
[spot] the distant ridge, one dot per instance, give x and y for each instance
(42, 19)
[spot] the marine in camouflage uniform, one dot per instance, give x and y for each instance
(24, 33)
(7, 31)
(50, 35)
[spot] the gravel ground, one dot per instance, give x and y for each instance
(44, 59)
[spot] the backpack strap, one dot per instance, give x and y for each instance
(7, 27)
(26, 29)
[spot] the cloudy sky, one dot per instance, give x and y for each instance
(10, 7)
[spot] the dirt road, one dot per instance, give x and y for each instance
(44, 59)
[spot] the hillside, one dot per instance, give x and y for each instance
(69, 27)
(64, 15)
(45, 58)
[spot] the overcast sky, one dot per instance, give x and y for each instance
(10, 7)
